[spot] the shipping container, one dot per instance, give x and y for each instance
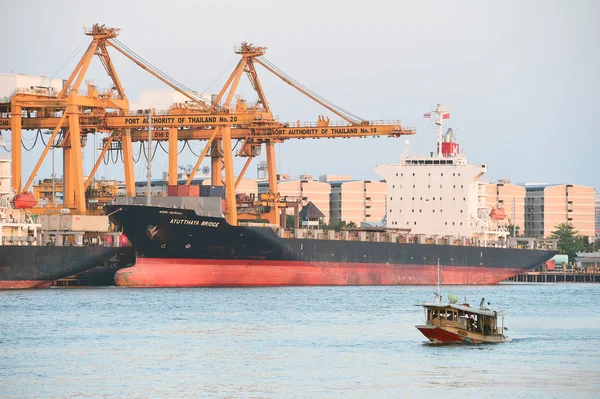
(54, 222)
(84, 223)
(172, 190)
(188, 191)
(44, 220)
(212, 191)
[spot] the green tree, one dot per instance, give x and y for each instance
(289, 221)
(515, 231)
(569, 240)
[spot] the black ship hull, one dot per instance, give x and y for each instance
(176, 247)
(38, 266)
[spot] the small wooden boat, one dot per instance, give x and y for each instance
(454, 323)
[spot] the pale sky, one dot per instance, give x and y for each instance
(520, 77)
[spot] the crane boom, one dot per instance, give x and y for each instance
(390, 129)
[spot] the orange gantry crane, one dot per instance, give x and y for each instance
(73, 113)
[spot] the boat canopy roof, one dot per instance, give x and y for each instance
(483, 312)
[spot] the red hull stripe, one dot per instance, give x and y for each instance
(22, 284)
(162, 272)
(439, 335)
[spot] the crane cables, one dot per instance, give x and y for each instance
(64, 64)
(180, 86)
(339, 109)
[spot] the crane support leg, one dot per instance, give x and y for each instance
(216, 168)
(199, 161)
(229, 183)
(15, 144)
(241, 175)
(173, 156)
(76, 158)
(272, 174)
(68, 192)
(100, 159)
(128, 162)
(44, 153)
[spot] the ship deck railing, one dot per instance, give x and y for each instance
(396, 236)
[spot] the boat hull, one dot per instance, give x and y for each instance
(37, 266)
(173, 272)
(178, 248)
(441, 335)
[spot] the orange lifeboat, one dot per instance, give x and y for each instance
(498, 214)
(24, 201)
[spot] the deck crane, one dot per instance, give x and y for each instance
(217, 122)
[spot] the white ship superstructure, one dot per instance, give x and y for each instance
(441, 194)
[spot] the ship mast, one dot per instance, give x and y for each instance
(438, 294)
(440, 114)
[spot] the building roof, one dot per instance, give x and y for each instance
(310, 211)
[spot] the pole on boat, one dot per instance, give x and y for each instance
(149, 185)
(438, 294)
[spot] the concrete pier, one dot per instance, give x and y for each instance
(556, 277)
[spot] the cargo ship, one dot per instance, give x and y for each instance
(29, 261)
(435, 214)
(180, 245)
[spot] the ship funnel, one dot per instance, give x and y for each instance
(449, 135)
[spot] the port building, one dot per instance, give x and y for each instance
(597, 216)
(511, 199)
(358, 201)
(305, 188)
(548, 205)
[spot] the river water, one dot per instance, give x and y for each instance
(302, 342)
